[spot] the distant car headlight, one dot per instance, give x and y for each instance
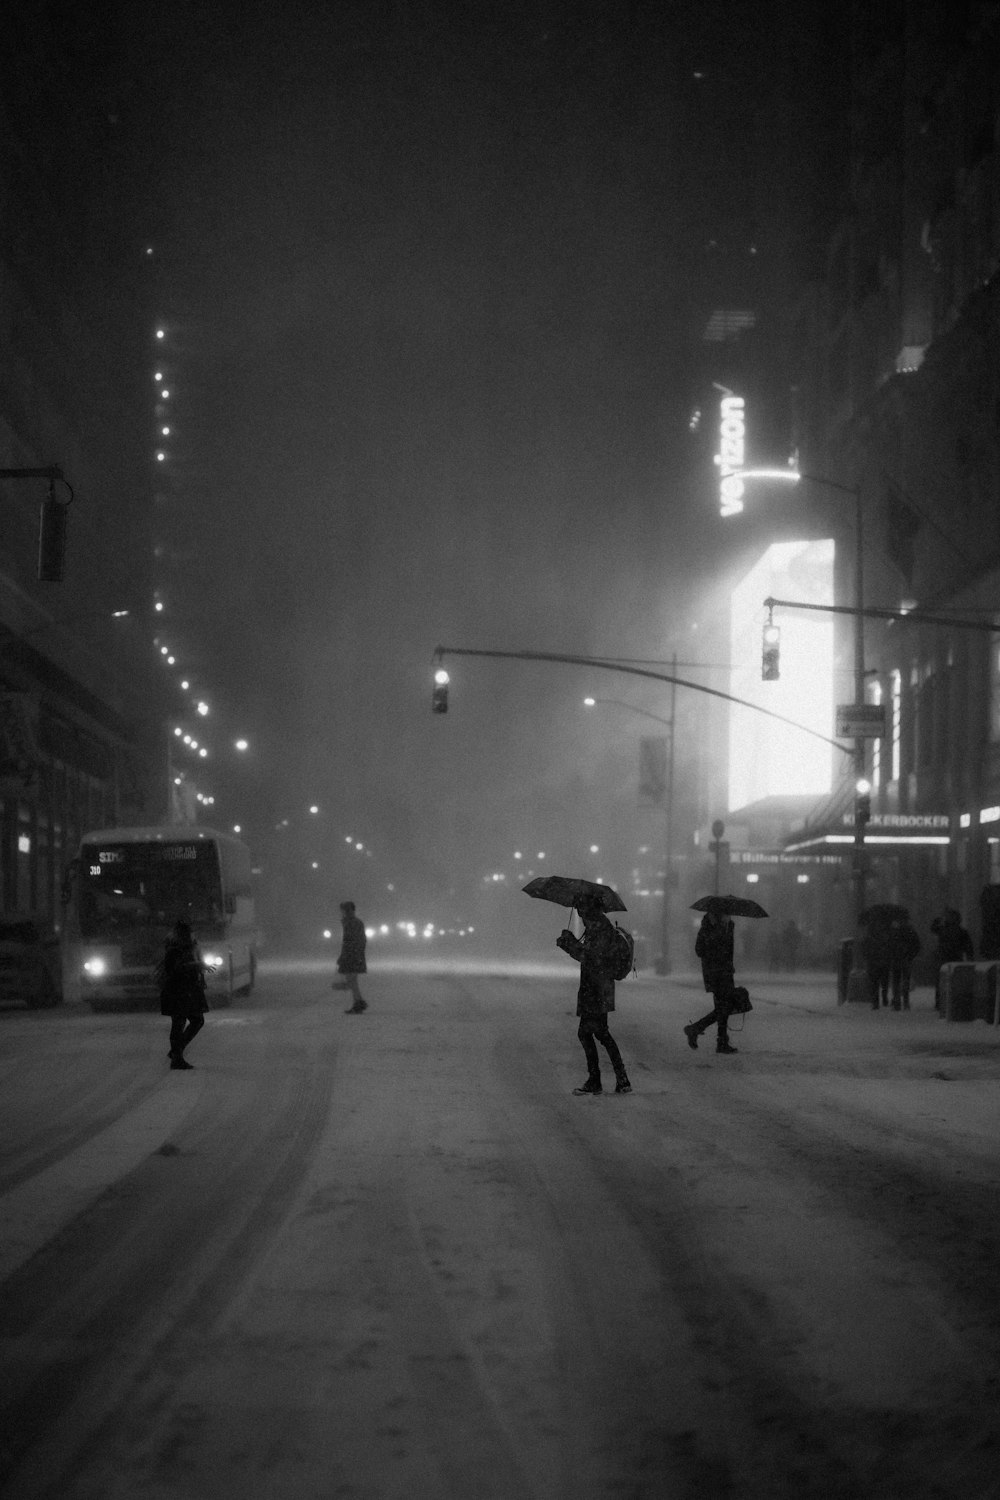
(95, 967)
(214, 960)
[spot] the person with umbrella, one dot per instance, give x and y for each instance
(904, 945)
(714, 946)
(596, 953)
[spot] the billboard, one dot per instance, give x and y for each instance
(768, 758)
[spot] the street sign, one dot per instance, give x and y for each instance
(860, 721)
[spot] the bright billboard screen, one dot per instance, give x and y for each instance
(768, 758)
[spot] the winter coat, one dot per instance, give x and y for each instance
(714, 946)
(182, 985)
(904, 944)
(352, 950)
(876, 947)
(596, 952)
(954, 943)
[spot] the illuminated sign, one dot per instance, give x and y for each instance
(768, 758)
(732, 454)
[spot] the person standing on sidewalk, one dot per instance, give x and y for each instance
(596, 953)
(876, 947)
(954, 945)
(904, 945)
(714, 946)
(351, 962)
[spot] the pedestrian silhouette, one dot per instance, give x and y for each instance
(714, 946)
(875, 947)
(904, 945)
(597, 954)
(954, 945)
(182, 991)
(351, 961)
(791, 941)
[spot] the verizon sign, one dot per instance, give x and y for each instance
(732, 453)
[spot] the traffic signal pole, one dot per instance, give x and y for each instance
(610, 664)
(860, 857)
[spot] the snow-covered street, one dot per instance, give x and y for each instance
(392, 1255)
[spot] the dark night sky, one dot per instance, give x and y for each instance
(431, 273)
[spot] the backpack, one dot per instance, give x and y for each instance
(624, 961)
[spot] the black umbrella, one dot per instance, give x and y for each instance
(730, 906)
(568, 890)
(884, 913)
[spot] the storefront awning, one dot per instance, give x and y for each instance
(898, 830)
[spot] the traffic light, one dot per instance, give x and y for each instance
(770, 653)
(439, 699)
(52, 539)
(862, 801)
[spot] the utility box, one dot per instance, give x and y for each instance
(853, 983)
(958, 992)
(987, 976)
(971, 992)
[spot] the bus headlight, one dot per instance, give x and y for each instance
(95, 967)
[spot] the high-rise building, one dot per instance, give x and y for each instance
(76, 700)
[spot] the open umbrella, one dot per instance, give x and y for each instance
(567, 890)
(883, 913)
(729, 906)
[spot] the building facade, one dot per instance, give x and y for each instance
(900, 394)
(78, 712)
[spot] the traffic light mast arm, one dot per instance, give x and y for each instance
(914, 615)
(52, 473)
(610, 665)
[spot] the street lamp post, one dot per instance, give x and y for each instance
(662, 964)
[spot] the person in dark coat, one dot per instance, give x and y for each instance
(351, 962)
(904, 945)
(182, 991)
(875, 946)
(714, 946)
(954, 944)
(596, 953)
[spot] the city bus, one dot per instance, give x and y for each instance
(124, 892)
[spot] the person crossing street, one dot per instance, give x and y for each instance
(596, 953)
(714, 946)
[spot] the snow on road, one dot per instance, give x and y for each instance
(393, 1255)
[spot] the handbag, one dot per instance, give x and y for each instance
(739, 1001)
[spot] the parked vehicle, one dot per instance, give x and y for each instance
(30, 961)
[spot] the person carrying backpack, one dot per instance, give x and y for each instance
(598, 954)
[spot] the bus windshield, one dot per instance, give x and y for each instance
(130, 886)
